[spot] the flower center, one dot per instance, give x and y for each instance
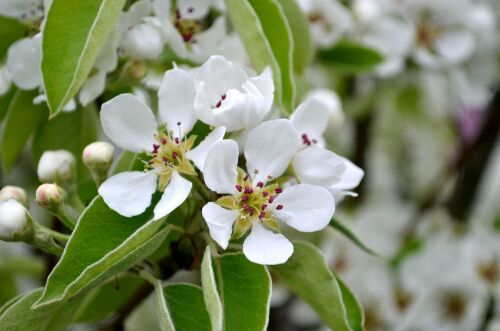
(307, 141)
(187, 28)
(427, 32)
(454, 306)
(317, 17)
(253, 203)
(169, 155)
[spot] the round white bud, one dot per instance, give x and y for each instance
(98, 156)
(13, 219)
(13, 192)
(143, 41)
(56, 166)
(49, 196)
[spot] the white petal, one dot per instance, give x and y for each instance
(351, 177)
(306, 208)
(199, 153)
(193, 9)
(135, 14)
(265, 247)
(92, 88)
(143, 41)
(270, 148)
(129, 193)
(220, 171)
(318, 166)
(23, 62)
(21, 9)
(107, 60)
(264, 82)
(129, 123)
(174, 195)
(220, 222)
(455, 46)
(311, 118)
(175, 101)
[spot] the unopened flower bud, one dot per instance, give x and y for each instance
(14, 221)
(98, 156)
(13, 192)
(56, 167)
(49, 196)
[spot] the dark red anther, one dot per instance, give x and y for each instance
(239, 188)
(248, 190)
(305, 140)
(218, 104)
(251, 211)
(246, 207)
(264, 206)
(155, 148)
(176, 140)
(244, 198)
(174, 155)
(265, 194)
(223, 97)
(279, 207)
(190, 9)
(271, 199)
(269, 177)
(278, 190)
(165, 159)
(262, 215)
(163, 141)
(246, 177)
(260, 184)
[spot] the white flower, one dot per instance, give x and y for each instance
(312, 163)
(131, 125)
(13, 219)
(56, 167)
(330, 101)
(23, 62)
(226, 94)
(253, 203)
(329, 20)
(184, 25)
(26, 10)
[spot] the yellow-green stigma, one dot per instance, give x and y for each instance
(169, 155)
(252, 203)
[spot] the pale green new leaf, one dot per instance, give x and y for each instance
(307, 274)
(103, 244)
(351, 57)
(20, 317)
(210, 294)
(183, 308)
(267, 38)
(303, 46)
(73, 35)
(166, 323)
(245, 292)
(22, 119)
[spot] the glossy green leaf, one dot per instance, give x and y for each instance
(5, 101)
(351, 57)
(245, 292)
(355, 314)
(210, 293)
(351, 236)
(20, 317)
(106, 299)
(184, 308)
(103, 244)
(8, 287)
(10, 31)
(22, 119)
(72, 38)
(307, 275)
(124, 162)
(303, 50)
(267, 38)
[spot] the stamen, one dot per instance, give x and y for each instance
(271, 199)
(244, 198)
(260, 184)
(245, 179)
(264, 206)
(239, 188)
(174, 155)
(265, 194)
(279, 207)
(262, 215)
(177, 140)
(305, 140)
(223, 97)
(218, 104)
(155, 148)
(163, 141)
(248, 190)
(278, 190)
(190, 9)
(269, 177)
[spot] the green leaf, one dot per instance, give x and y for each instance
(72, 131)
(303, 50)
(106, 299)
(307, 274)
(20, 317)
(245, 292)
(210, 294)
(5, 102)
(103, 244)
(10, 31)
(73, 35)
(351, 236)
(162, 312)
(185, 308)
(351, 57)
(8, 287)
(267, 38)
(124, 162)
(22, 118)
(355, 314)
